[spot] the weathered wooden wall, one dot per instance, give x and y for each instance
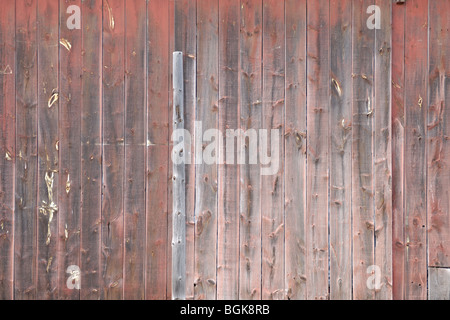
(363, 123)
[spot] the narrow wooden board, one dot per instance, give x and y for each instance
(340, 122)
(135, 148)
(91, 150)
(159, 59)
(272, 183)
(382, 162)
(295, 150)
(398, 147)
(438, 136)
(206, 174)
(362, 150)
(113, 148)
(228, 172)
(416, 105)
(48, 157)
(186, 42)
(25, 224)
(70, 151)
(250, 101)
(439, 283)
(318, 113)
(7, 147)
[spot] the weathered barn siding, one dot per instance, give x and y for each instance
(359, 206)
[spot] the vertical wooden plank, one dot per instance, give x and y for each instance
(91, 150)
(186, 42)
(415, 149)
(439, 136)
(362, 150)
(272, 184)
(341, 150)
(206, 174)
(250, 98)
(382, 151)
(318, 86)
(439, 284)
(48, 158)
(295, 149)
(135, 147)
(398, 124)
(228, 172)
(178, 184)
(69, 146)
(25, 223)
(7, 147)
(113, 148)
(157, 150)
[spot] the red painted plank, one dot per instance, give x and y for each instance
(318, 86)
(135, 147)
(250, 98)
(362, 150)
(69, 146)
(113, 148)
(25, 223)
(186, 42)
(91, 150)
(416, 17)
(7, 148)
(398, 147)
(157, 269)
(341, 150)
(206, 174)
(382, 167)
(228, 172)
(295, 150)
(439, 135)
(272, 184)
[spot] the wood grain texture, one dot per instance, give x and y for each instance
(295, 150)
(250, 101)
(340, 122)
(7, 147)
(439, 284)
(70, 148)
(438, 136)
(382, 162)
(318, 101)
(25, 224)
(272, 183)
(135, 149)
(48, 157)
(186, 42)
(91, 150)
(398, 147)
(157, 151)
(206, 174)
(362, 150)
(228, 172)
(416, 106)
(113, 175)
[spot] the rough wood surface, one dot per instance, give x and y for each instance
(250, 98)
(25, 222)
(135, 149)
(439, 284)
(438, 135)
(318, 102)
(158, 157)
(340, 122)
(295, 150)
(113, 124)
(7, 148)
(228, 172)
